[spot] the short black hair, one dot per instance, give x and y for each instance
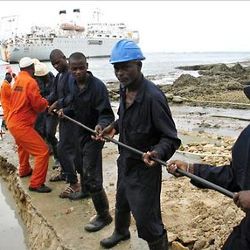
(77, 56)
(8, 77)
(56, 52)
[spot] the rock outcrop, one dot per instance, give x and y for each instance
(217, 82)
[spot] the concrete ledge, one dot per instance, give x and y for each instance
(40, 234)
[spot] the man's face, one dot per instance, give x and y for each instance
(59, 63)
(78, 69)
(127, 72)
(8, 78)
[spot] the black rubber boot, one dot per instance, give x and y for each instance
(103, 217)
(83, 194)
(121, 232)
(161, 244)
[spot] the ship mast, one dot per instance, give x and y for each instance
(96, 15)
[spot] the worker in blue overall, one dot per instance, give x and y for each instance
(234, 177)
(91, 106)
(145, 123)
(67, 130)
(46, 124)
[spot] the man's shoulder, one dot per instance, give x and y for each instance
(152, 88)
(96, 81)
(71, 78)
(4, 84)
(28, 79)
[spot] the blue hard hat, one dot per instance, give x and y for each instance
(125, 51)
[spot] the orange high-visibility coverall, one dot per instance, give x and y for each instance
(25, 103)
(5, 98)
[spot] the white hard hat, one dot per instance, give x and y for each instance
(35, 60)
(41, 69)
(25, 62)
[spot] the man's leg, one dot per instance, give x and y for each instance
(24, 168)
(84, 192)
(92, 173)
(51, 127)
(122, 213)
(66, 154)
(143, 194)
(32, 142)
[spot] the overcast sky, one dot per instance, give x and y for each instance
(170, 26)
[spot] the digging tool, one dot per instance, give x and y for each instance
(204, 182)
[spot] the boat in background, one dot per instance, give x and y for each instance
(96, 40)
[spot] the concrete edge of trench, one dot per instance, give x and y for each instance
(40, 234)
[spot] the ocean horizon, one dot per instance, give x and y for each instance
(161, 66)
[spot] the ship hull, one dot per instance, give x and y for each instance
(90, 47)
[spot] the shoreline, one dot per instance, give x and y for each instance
(159, 65)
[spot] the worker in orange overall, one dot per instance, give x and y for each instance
(5, 94)
(25, 103)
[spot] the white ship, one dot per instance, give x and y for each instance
(96, 40)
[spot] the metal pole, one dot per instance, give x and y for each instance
(204, 182)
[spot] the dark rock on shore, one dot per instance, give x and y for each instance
(217, 84)
(196, 67)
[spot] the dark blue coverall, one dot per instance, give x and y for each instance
(146, 125)
(67, 130)
(46, 124)
(234, 177)
(91, 106)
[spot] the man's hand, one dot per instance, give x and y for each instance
(242, 200)
(109, 131)
(173, 165)
(60, 113)
(147, 158)
(52, 107)
(98, 131)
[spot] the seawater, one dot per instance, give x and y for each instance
(162, 66)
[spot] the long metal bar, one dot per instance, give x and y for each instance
(204, 182)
